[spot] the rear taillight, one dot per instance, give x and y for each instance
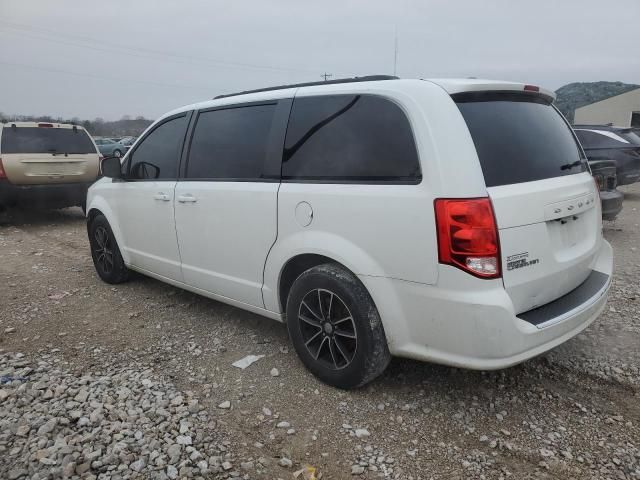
(596, 181)
(468, 235)
(3, 174)
(599, 179)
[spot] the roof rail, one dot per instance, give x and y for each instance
(366, 78)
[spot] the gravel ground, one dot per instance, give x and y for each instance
(136, 381)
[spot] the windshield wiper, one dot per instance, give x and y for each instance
(569, 166)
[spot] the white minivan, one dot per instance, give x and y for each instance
(450, 221)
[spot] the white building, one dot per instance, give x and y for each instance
(621, 110)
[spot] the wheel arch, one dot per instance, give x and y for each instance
(99, 206)
(310, 248)
(293, 268)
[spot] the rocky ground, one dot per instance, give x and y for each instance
(136, 381)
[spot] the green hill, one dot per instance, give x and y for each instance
(578, 94)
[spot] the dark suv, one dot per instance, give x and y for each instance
(606, 142)
(604, 172)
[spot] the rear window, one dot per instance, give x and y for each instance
(631, 136)
(519, 138)
(45, 140)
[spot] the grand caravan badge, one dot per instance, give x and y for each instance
(520, 260)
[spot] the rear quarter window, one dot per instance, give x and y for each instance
(45, 140)
(519, 138)
(349, 139)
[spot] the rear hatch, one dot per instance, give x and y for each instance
(545, 201)
(47, 153)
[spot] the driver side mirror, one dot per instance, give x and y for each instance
(111, 167)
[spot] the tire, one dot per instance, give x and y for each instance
(328, 306)
(117, 153)
(104, 247)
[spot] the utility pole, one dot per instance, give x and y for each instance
(395, 51)
(326, 76)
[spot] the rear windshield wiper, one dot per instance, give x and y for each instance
(569, 166)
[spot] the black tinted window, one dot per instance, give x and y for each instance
(231, 143)
(158, 154)
(45, 140)
(519, 138)
(351, 138)
(601, 139)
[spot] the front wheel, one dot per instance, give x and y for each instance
(105, 252)
(117, 153)
(335, 327)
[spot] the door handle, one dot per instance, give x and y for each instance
(188, 198)
(162, 196)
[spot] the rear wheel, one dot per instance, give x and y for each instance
(335, 327)
(117, 153)
(105, 252)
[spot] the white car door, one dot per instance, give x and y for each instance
(145, 199)
(226, 204)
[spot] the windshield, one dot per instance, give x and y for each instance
(519, 138)
(45, 140)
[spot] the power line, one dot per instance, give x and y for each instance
(100, 45)
(326, 76)
(101, 77)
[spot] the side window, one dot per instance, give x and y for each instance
(600, 139)
(158, 155)
(589, 139)
(230, 143)
(359, 138)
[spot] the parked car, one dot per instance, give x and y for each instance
(45, 164)
(108, 147)
(606, 142)
(604, 172)
(127, 142)
(375, 216)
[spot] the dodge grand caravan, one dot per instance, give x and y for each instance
(46, 164)
(451, 221)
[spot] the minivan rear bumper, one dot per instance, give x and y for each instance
(471, 323)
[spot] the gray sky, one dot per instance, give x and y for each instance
(109, 58)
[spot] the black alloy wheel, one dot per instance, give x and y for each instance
(327, 328)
